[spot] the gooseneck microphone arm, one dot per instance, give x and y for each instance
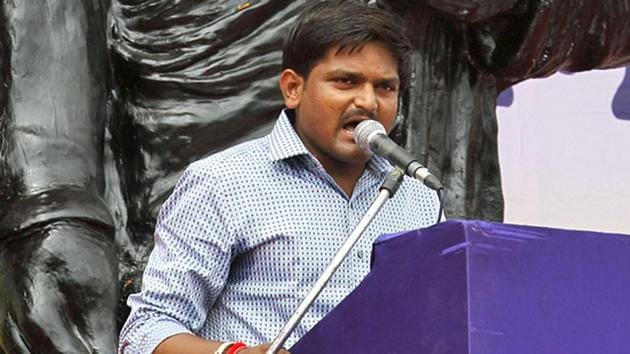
(387, 190)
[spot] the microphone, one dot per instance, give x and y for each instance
(371, 136)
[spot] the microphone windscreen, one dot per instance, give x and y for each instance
(365, 131)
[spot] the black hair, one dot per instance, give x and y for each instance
(349, 25)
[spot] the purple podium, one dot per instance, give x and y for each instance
(480, 287)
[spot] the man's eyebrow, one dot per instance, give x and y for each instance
(356, 75)
(394, 80)
(343, 72)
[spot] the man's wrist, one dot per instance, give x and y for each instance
(223, 348)
(230, 347)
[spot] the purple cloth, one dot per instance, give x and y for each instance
(481, 287)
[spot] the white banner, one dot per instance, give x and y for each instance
(564, 149)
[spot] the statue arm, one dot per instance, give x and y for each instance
(538, 38)
(519, 39)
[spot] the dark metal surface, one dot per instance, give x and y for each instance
(57, 252)
(86, 159)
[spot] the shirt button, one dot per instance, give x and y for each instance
(360, 254)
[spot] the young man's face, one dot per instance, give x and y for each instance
(342, 90)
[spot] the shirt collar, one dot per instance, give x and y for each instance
(285, 143)
(380, 165)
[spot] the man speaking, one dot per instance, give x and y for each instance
(247, 232)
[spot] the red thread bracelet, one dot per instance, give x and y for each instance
(236, 347)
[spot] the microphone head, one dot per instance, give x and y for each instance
(366, 131)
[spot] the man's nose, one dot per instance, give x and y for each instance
(366, 99)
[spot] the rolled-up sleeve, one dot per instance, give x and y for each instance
(187, 268)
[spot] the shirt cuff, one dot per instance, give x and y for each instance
(150, 335)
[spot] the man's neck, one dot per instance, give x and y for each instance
(345, 175)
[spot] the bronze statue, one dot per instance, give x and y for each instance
(98, 120)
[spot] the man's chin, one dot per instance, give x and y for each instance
(358, 157)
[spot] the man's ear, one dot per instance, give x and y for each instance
(291, 85)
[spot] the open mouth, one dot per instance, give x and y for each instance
(350, 126)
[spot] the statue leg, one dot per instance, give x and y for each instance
(58, 293)
(60, 288)
(450, 123)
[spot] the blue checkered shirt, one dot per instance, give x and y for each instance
(245, 235)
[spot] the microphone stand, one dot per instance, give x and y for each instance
(387, 190)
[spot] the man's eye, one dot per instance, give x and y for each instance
(344, 80)
(389, 88)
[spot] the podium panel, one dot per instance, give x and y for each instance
(482, 287)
